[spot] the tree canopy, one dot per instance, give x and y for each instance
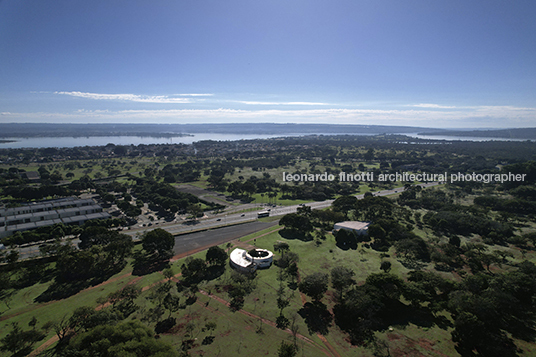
(159, 242)
(314, 285)
(125, 339)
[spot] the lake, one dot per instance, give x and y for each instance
(67, 142)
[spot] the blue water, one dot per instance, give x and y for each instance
(67, 142)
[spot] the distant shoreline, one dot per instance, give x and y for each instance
(516, 133)
(29, 130)
(92, 135)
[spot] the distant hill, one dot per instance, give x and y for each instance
(26, 130)
(518, 133)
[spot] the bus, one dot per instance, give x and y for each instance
(263, 214)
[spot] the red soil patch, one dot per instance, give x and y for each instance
(393, 336)
(413, 347)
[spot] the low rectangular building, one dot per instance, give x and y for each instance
(70, 210)
(360, 228)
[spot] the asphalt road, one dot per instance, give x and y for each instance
(201, 240)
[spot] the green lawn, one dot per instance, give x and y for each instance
(238, 333)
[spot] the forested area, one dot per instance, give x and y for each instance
(458, 257)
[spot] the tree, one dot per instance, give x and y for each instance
(158, 241)
(85, 318)
(249, 187)
(413, 248)
(194, 210)
(342, 279)
(79, 318)
(210, 327)
(243, 284)
(73, 265)
(193, 270)
(12, 257)
(168, 274)
(117, 245)
(286, 350)
(314, 285)
(6, 289)
(171, 303)
(455, 241)
(287, 258)
(123, 299)
(296, 222)
(389, 286)
(385, 266)
(304, 211)
(124, 339)
(470, 333)
(344, 204)
(281, 247)
(346, 239)
(216, 256)
(20, 342)
(369, 155)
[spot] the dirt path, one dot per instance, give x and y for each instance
(265, 234)
(44, 346)
(320, 336)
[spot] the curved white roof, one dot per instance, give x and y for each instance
(238, 257)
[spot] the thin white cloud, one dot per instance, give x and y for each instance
(158, 99)
(278, 103)
(195, 94)
(431, 106)
(491, 116)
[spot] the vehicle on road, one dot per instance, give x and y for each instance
(263, 214)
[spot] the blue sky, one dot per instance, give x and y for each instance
(433, 63)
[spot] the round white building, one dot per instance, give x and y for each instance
(251, 260)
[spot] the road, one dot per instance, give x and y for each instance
(220, 221)
(200, 240)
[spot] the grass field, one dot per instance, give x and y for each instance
(252, 330)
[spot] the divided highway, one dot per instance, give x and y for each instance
(221, 222)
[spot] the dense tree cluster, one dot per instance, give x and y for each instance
(164, 197)
(159, 243)
(29, 193)
(185, 172)
(487, 309)
(195, 270)
(124, 339)
(102, 252)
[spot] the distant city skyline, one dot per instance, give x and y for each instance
(439, 64)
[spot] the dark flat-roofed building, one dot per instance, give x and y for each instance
(46, 213)
(32, 176)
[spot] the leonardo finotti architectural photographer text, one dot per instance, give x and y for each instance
(405, 177)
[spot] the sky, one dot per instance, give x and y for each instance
(428, 63)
